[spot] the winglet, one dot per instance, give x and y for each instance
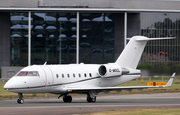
(169, 83)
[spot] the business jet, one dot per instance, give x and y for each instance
(90, 79)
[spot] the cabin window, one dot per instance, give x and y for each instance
(79, 75)
(90, 75)
(73, 75)
(68, 75)
(57, 75)
(84, 75)
(62, 75)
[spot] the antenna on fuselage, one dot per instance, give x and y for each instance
(45, 63)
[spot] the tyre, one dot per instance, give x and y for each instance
(67, 99)
(20, 101)
(91, 100)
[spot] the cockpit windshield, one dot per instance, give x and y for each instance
(33, 73)
(28, 73)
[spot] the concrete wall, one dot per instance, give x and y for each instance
(8, 72)
(4, 39)
(121, 4)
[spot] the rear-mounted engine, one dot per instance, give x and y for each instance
(111, 70)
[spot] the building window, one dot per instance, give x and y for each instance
(96, 37)
(19, 39)
(53, 38)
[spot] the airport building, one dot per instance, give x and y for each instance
(88, 31)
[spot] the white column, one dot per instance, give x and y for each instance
(77, 39)
(125, 29)
(29, 39)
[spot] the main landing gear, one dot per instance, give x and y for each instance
(20, 100)
(68, 99)
(91, 98)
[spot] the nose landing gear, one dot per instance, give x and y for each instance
(20, 100)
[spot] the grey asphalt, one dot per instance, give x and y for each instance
(79, 105)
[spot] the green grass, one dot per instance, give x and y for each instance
(2, 91)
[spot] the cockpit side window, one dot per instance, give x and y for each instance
(23, 73)
(28, 73)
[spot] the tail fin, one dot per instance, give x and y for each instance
(131, 54)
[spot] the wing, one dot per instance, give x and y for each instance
(107, 89)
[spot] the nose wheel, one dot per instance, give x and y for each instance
(20, 100)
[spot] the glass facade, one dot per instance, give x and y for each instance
(163, 52)
(19, 39)
(96, 38)
(53, 38)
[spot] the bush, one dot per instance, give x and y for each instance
(161, 69)
(145, 66)
(174, 68)
(165, 69)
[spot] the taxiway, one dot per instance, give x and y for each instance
(79, 105)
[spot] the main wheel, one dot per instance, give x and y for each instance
(89, 99)
(67, 99)
(94, 99)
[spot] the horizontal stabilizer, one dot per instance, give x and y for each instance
(148, 39)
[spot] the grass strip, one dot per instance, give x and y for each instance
(139, 112)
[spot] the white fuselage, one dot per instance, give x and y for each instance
(56, 78)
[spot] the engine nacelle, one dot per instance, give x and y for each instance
(111, 70)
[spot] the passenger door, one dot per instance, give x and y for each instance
(48, 75)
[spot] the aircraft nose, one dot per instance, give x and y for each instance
(7, 86)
